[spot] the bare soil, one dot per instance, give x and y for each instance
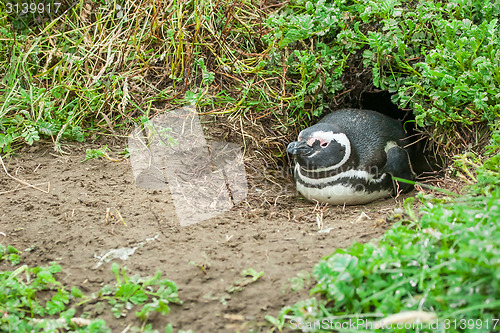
(273, 231)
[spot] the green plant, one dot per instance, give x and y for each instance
(162, 134)
(67, 77)
(488, 173)
(299, 282)
(432, 267)
(23, 309)
(248, 276)
(153, 293)
(444, 261)
(438, 59)
(97, 153)
(11, 254)
(316, 65)
(92, 153)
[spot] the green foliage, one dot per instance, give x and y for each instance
(445, 261)
(248, 276)
(23, 311)
(97, 153)
(66, 78)
(11, 254)
(299, 282)
(164, 133)
(131, 291)
(459, 79)
(488, 174)
(317, 62)
(440, 59)
(29, 112)
(103, 152)
(207, 76)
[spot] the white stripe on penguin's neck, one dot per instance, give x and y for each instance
(340, 138)
(362, 175)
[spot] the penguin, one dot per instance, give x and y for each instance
(349, 158)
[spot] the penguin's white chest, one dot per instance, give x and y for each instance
(352, 187)
(340, 194)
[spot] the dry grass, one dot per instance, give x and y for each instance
(100, 67)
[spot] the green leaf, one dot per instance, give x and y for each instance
(156, 305)
(77, 133)
(408, 206)
(30, 135)
(11, 249)
(47, 128)
(5, 140)
(275, 321)
(76, 293)
(58, 302)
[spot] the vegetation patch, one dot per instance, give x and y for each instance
(101, 66)
(438, 59)
(443, 260)
(33, 300)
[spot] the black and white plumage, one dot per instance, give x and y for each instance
(350, 156)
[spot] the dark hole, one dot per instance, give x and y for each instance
(423, 162)
(382, 103)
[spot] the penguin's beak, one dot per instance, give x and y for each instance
(298, 147)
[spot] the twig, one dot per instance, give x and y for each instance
(121, 218)
(22, 181)
(20, 188)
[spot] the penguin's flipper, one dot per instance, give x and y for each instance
(398, 165)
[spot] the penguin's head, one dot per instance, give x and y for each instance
(321, 147)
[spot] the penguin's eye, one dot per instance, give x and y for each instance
(324, 144)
